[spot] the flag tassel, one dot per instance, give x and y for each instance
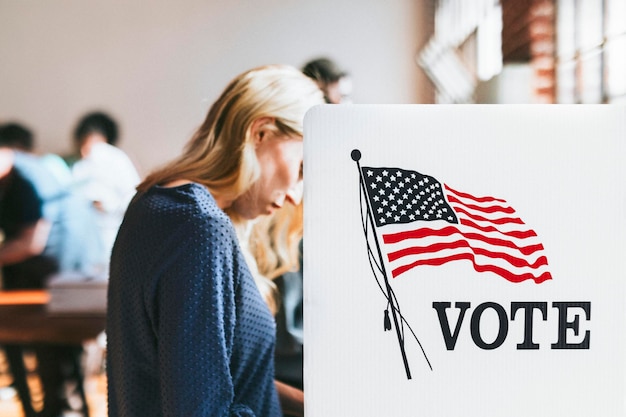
(387, 320)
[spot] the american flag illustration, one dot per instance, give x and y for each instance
(423, 221)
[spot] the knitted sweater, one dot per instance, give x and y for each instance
(188, 331)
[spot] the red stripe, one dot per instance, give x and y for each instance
(450, 230)
(418, 234)
(503, 220)
(490, 209)
(469, 196)
(513, 260)
(508, 275)
(520, 234)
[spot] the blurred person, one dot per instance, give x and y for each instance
(331, 79)
(71, 238)
(19, 137)
(190, 330)
(47, 230)
(103, 173)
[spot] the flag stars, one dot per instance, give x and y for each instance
(403, 196)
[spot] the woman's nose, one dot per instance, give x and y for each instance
(294, 194)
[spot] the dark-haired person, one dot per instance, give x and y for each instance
(334, 82)
(104, 174)
(47, 229)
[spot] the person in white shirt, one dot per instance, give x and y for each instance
(104, 173)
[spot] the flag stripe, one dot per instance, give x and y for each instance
(513, 260)
(519, 234)
(501, 220)
(446, 231)
(471, 197)
(505, 273)
(490, 209)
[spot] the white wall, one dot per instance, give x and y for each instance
(157, 66)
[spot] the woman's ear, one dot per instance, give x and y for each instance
(260, 129)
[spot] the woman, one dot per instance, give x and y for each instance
(189, 333)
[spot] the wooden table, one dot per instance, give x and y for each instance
(24, 319)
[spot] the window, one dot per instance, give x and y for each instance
(591, 51)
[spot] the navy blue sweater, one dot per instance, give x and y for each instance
(188, 331)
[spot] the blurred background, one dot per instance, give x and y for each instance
(156, 66)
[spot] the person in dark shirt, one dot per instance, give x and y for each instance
(189, 328)
(46, 231)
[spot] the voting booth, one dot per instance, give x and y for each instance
(465, 260)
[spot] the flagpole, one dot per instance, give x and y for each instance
(356, 156)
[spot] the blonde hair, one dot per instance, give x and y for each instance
(274, 241)
(221, 153)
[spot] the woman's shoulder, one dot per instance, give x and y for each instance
(189, 203)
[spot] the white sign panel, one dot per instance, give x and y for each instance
(465, 260)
